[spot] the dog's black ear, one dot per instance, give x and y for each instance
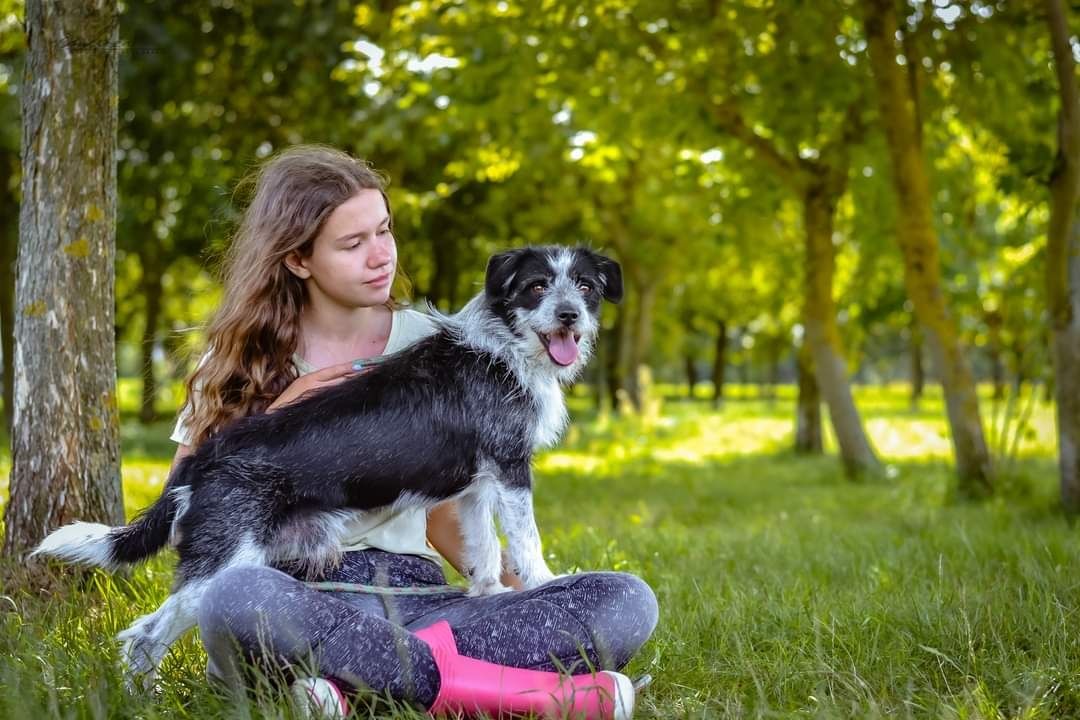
(610, 278)
(500, 272)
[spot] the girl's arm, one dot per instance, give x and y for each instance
(444, 533)
(182, 450)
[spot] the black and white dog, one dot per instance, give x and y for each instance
(456, 415)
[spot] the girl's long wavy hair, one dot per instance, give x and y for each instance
(254, 332)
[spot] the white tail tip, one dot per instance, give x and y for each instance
(79, 542)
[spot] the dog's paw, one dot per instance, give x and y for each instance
(139, 682)
(137, 661)
(487, 588)
(537, 578)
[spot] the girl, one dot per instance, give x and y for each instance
(312, 290)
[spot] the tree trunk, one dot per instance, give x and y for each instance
(994, 350)
(691, 374)
(640, 342)
(65, 446)
(719, 363)
(822, 335)
(613, 359)
(150, 285)
(919, 247)
(1063, 262)
(772, 357)
(918, 373)
(9, 237)
(626, 382)
(808, 406)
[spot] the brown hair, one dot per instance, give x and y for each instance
(254, 332)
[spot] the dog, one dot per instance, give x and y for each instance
(456, 415)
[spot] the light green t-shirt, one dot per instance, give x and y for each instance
(402, 531)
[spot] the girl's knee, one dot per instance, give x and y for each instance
(622, 612)
(620, 594)
(227, 605)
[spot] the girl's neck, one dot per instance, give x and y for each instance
(331, 334)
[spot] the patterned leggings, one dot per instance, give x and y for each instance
(267, 617)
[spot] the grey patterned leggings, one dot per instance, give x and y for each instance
(265, 617)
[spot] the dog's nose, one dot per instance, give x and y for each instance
(567, 315)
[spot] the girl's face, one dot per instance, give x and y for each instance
(353, 259)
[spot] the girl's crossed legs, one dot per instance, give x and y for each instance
(364, 641)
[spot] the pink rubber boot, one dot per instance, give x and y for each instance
(468, 685)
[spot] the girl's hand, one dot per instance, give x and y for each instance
(305, 384)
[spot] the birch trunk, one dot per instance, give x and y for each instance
(65, 445)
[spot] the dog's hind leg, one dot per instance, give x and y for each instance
(476, 509)
(147, 641)
(515, 504)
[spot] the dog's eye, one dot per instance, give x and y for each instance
(585, 288)
(538, 289)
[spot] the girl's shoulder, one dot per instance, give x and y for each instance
(410, 326)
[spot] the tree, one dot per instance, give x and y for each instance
(11, 52)
(66, 459)
(1063, 261)
(898, 115)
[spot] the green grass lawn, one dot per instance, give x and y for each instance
(785, 590)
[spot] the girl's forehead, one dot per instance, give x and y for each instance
(363, 212)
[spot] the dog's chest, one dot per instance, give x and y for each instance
(551, 414)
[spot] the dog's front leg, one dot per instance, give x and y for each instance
(519, 524)
(476, 510)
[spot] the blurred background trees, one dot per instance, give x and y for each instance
(800, 194)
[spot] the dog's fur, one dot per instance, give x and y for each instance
(456, 415)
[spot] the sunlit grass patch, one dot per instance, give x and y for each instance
(785, 589)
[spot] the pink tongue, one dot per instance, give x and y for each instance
(563, 348)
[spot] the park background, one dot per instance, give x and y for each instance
(825, 425)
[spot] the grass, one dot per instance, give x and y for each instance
(785, 590)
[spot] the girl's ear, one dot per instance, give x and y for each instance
(294, 263)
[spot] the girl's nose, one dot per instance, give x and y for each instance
(382, 251)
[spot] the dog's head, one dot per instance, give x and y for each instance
(549, 298)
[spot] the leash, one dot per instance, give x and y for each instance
(385, 590)
(365, 363)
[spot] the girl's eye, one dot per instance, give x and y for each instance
(585, 288)
(384, 231)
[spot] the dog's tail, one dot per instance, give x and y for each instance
(111, 547)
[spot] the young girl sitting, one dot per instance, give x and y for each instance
(311, 291)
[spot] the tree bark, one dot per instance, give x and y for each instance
(719, 367)
(1063, 262)
(691, 374)
(9, 237)
(918, 372)
(152, 291)
(640, 341)
(613, 359)
(822, 334)
(994, 350)
(65, 446)
(919, 247)
(808, 407)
